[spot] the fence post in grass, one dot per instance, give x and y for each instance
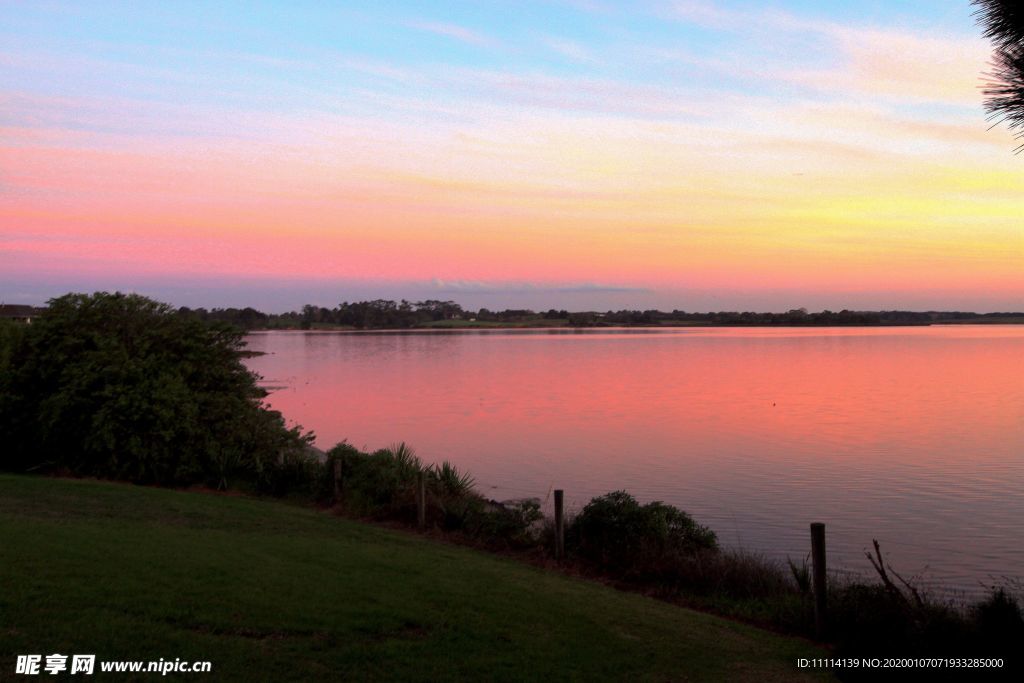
(559, 525)
(421, 501)
(819, 581)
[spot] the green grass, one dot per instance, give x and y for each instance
(271, 591)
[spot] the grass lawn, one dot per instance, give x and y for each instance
(271, 591)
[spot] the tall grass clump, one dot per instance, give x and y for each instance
(896, 617)
(1000, 620)
(383, 485)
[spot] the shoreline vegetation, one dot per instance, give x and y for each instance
(660, 551)
(119, 387)
(650, 550)
(382, 314)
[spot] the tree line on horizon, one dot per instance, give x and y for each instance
(388, 314)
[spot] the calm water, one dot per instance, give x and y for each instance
(913, 436)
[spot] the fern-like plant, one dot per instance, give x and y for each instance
(450, 481)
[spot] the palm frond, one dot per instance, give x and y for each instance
(1003, 23)
(406, 460)
(451, 481)
(1002, 20)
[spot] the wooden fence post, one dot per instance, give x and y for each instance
(421, 502)
(559, 525)
(819, 582)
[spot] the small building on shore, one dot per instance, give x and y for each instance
(19, 313)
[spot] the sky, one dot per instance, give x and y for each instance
(696, 154)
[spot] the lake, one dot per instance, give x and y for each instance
(910, 435)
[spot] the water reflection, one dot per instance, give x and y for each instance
(914, 436)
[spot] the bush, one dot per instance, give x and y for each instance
(1000, 622)
(617, 533)
(121, 386)
(294, 473)
(10, 336)
(381, 484)
(871, 620)
(509, 524)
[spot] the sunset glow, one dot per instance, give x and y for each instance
(696, 154)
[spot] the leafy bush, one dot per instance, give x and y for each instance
(121, 386)
(617, 533)
(381, 484)
(511, 524)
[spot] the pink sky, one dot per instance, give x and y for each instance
(703, 179)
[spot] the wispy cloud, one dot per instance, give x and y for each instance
(454, 31)
(478, 287)
(569, 49)
(903, 65)
(892, 62)
(707, 14)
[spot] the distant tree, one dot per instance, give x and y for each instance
(10, 336)
(121, 386)
(581, 319)
(1003, 23)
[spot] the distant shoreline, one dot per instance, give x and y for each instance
(567, 327)
(381, 315)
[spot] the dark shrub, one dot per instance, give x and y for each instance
(120, 386)
(381, 484)
(617, 533)
(1000, 612)
(11, 334)
(872, 621)
(511, 524)
(293, 473)
(1000, 624)
(867, 619)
